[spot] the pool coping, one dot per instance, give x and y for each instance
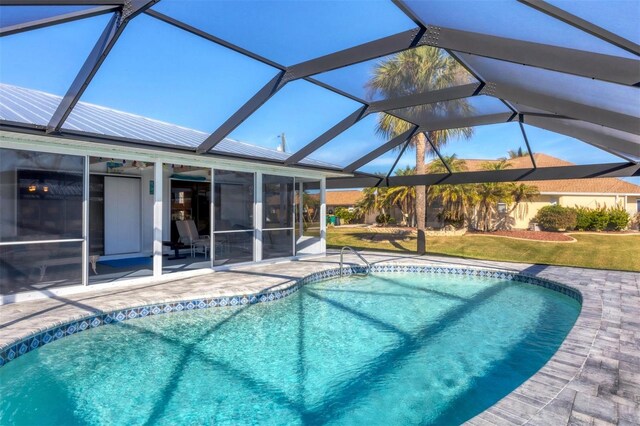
(549, 396)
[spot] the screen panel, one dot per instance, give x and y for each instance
(621, 17)
(176, 78)
(456, 113)
(14, 15)
(290, 32)
(483, 148)
(609, 96)
(418, 70)
(363, 137)
(567, 149)
(300, 112)
(41, 195)
(39, 66)
(277, 201)
(510, 19)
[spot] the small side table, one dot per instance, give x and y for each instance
(175, 246)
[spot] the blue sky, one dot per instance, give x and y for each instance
(159, 71)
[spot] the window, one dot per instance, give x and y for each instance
(638, 205)
(277, 200)
(502, 208)
(41, 196)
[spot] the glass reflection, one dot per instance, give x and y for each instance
(41, 196)
(233, 200)
(233, 247)
(277, 201)
(233, 217)
(277, 243)
(29, 267)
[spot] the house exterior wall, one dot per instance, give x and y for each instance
(590, 201)
(153, 230)
(523, 217)
(525, 212)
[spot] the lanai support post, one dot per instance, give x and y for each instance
(257, 253)
(323, 215)
(157, 219)
(85, 222)
(300, 210)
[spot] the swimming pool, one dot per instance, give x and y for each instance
(395, 348)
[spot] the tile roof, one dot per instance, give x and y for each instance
(24, 105)
(592, 186)
(343, 198)
(595, 185)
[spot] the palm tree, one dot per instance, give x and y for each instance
(456, 200)
(521, 193)
(517, 153)
(490, 194)
(373, 199)
(413, 71)
(404, 196)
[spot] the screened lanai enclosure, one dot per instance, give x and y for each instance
(142, 139)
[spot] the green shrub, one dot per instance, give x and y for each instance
(599, 219)
(618, 219)
(583, 218)
(347, 215)
(383, 219)
(556, 218)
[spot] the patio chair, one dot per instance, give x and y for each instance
(189, 235)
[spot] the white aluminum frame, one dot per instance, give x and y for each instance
(86, 150)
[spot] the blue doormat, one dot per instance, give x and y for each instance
(126, 263)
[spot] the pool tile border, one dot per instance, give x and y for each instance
(96, 319)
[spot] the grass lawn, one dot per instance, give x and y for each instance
(590, 251)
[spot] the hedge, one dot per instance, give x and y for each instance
(556, 218)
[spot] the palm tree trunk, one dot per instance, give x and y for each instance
(421, 198)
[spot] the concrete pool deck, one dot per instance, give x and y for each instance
(593, 379)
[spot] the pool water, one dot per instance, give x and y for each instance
(390, 349)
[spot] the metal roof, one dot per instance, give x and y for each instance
(18, 104)
(531, 61)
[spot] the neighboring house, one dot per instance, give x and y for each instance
(349, 199)
(346, 199)
(590, 193)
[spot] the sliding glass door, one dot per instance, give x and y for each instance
(121, 195)
(187, 225)
(233, 231)
(307, 213)
(277, 216)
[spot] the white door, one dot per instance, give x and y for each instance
(121, 215)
